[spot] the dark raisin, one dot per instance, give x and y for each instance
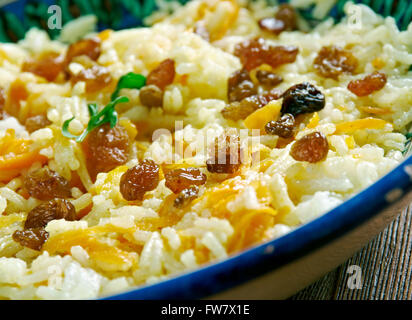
(240, 86)
(268, 79)
(107, 148)
(162, 75)
(255, 52)
(138, 180)
(282, 127)
(186, 196)
(333, 61)
(284, 20)
(371, 83)
(48, 66)
(180, 179)
(240, 110)
(226, 155)
(54, 209)
(151, 96)
(87, 47)
(45, 184)
(302, 98)
(31, 238)
(312, 148)
(36, 122)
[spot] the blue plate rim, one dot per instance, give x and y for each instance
(271, 255)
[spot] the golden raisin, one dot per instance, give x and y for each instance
(48, 66)
(284, 19)
(332, 61)
(138, 180)
(162, 75)
(371, 83)
(312, 148)
(36, 122)
(240, 86)
(54, 209)
(45, 184)
(96, 78)
(179, 179)
(31, 238)
(226, 155)
(282, 127)
(240, 110)
(107, 148)
(268, 79)
(151, 96)
(17, 93)
(88, 47)
(255, 52)
(287, 14)
(186, 196)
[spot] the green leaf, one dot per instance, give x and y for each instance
(113, 119)
(129, 81)
(107, 115)
(65, 129)
(92, 109)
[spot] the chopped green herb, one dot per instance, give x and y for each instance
(129, 81)
(407, 143)
(107, 115)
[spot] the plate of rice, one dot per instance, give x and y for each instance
(227, 149)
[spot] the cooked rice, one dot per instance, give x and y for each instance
(295, 192)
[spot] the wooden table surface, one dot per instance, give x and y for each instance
(386, 266)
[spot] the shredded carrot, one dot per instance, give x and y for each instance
(17, 92)
(367, 123)
(350, 142)
(105, 34)
(109, 257)
(250, 229)
(375, 110)
(259, 118)
(130, 128)
(220, 26)
(15, 155)
(313, 122)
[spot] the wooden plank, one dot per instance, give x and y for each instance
(386, 265)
